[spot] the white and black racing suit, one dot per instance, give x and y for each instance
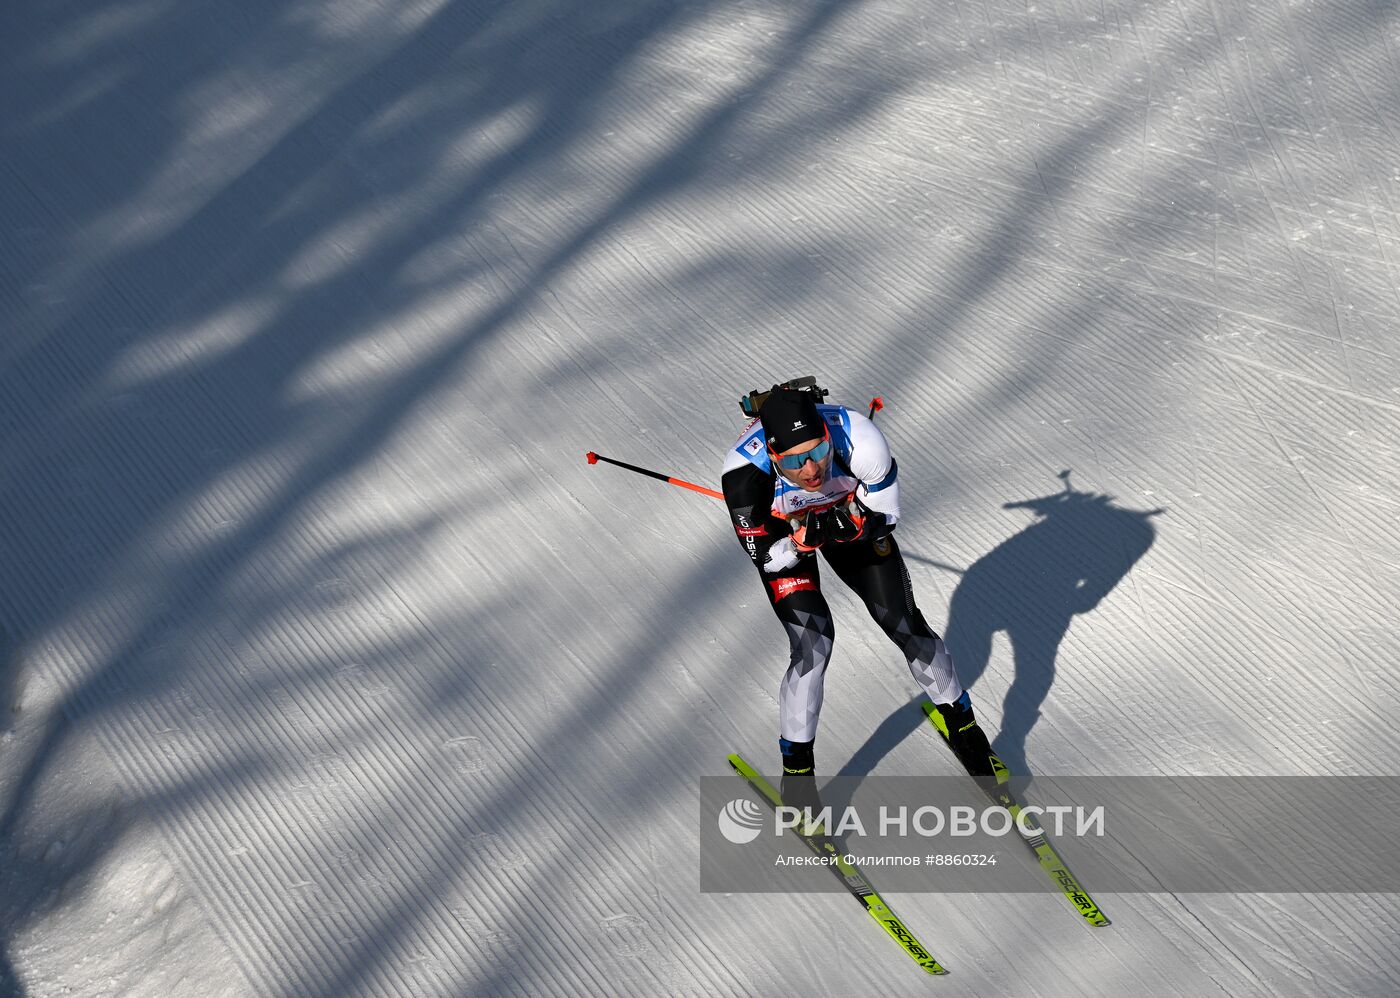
(764, 505)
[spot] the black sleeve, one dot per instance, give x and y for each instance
(748, 493)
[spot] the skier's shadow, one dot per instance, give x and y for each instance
(1031, 586)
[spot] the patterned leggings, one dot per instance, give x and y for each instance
(882, 581)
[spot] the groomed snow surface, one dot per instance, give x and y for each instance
(331, 668)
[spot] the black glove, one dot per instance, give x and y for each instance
(877, 525)
(842, 526)
(834, 524)
(873, 525)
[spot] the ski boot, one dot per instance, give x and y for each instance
(798, 787)
(968, 741)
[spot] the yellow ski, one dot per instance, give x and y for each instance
(822, 845)
(1050, 861)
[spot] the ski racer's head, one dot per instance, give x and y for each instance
(798, 440)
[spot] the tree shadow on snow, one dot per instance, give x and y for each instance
(273, 236)
(145, 448)
(1031, 586)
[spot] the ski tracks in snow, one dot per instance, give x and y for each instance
(398, 701)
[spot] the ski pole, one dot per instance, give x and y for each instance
(595, 458)
(876, 404)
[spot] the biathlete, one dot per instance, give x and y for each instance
(807, 477)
